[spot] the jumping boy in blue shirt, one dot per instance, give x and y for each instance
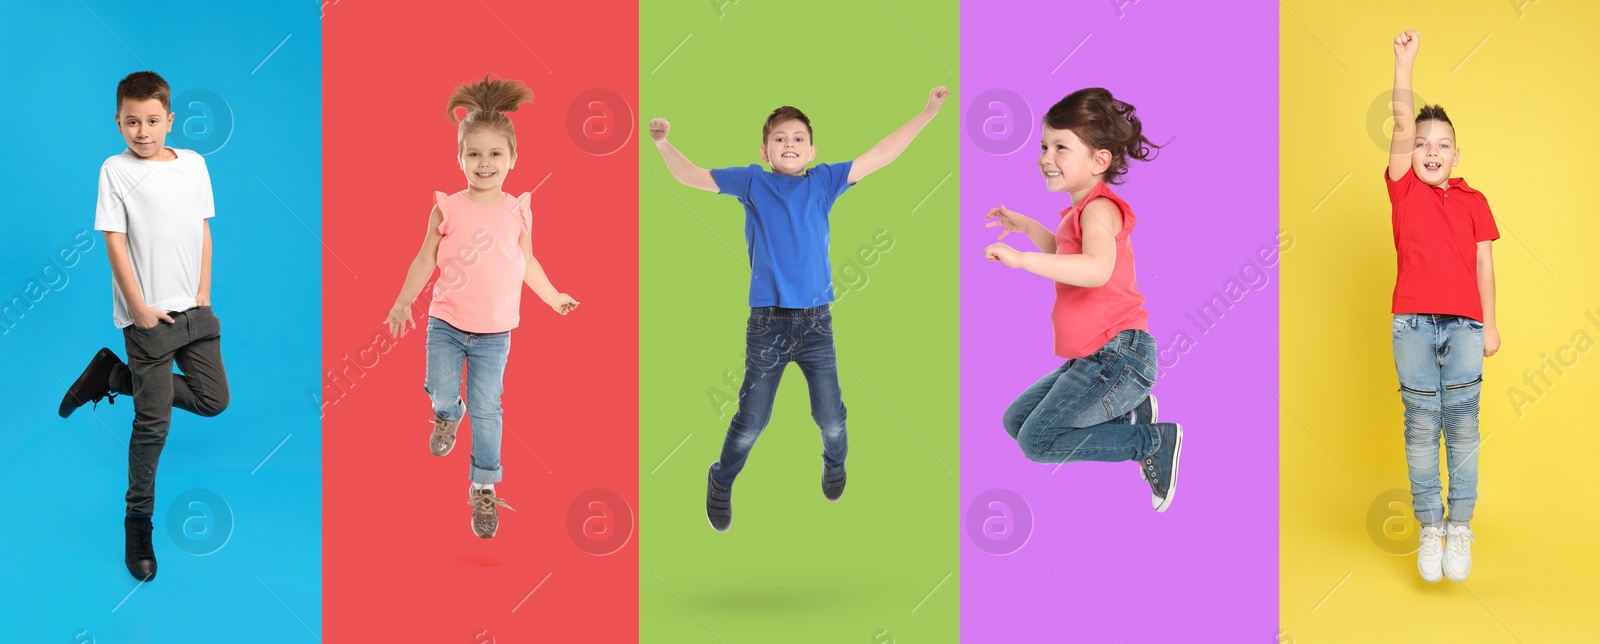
(791, 281)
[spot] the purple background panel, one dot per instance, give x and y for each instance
(1074, 552)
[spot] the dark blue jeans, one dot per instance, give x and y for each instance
(1079, 412)
(775, 337)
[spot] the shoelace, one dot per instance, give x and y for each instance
(486, 502)
(110, 397)
(1430, 541)
(1459, 540)
(440, 431)
(141, 541)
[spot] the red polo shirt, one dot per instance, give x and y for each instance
(1436, 235)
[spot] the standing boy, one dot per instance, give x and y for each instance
(154, 208)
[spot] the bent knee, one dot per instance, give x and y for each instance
(213, 406)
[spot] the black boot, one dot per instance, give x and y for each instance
(141, 557)
(93, 384)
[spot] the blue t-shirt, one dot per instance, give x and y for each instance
(786, 230)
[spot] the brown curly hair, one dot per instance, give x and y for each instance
(1103, 123)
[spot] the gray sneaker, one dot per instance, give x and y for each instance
(444, 436)
(1145, 413)
(1161, 467)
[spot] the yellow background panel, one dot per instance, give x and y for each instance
(1518, 80)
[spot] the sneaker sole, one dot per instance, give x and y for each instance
(1435, 580)
(1172, 489)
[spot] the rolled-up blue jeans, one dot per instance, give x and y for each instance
(484, 355)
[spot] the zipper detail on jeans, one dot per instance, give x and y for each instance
(1464, 384)
(1417, 392)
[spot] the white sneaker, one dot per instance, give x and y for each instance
(1430, 557)
(1458, 553)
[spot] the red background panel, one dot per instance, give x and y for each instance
(400, 560)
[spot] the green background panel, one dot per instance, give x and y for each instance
(882, 564)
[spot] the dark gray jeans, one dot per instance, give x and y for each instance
(194, 341)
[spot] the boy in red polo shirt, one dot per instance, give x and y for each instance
(1444, 323)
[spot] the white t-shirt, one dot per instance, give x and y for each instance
(162, 207)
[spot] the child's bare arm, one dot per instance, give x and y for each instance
(887, 150)
(1491, 331)
(203, 296)
(122, 271)
(684, 170)
(1090, 269)
(416, 277)
(1016, 222)
(535, 278)
(1404, 105)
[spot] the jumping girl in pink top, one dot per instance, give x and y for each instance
(480, 240)
(1097, 406)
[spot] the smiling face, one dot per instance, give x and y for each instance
(1435, 152)
(144, 124)
(486, 157)
(788, 148)
(1067, 163)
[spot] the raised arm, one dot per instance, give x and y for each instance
(1404, 105)
(1090, 269)
(1491, 330)
(416, 277)
(684, 170)
(122, 270)
(891, 146)
(535, 278)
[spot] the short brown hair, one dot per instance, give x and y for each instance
(1434, 113)
(140, 86)
(1103, 123)
(780, 115)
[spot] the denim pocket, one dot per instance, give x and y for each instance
(1129, 388)
(1473, 324)
(1402, 324)
(823, 324)
(1142, 353)
(758, 326)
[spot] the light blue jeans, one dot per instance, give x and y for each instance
(1439, 359)
(485, 357)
